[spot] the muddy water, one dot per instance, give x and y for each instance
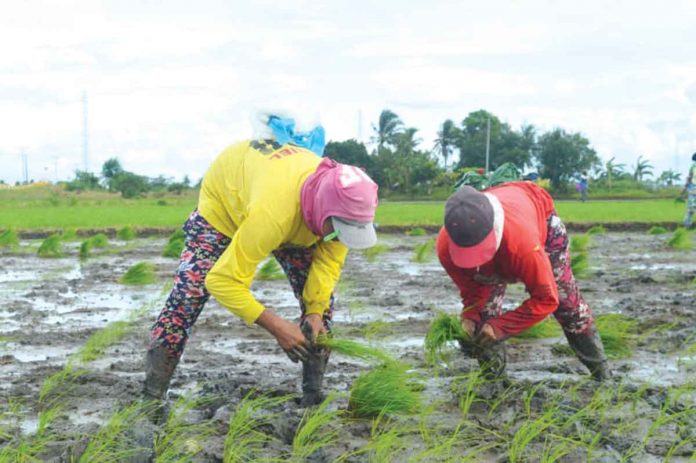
(51, 307)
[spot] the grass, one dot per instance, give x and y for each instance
(142, 273)
(388, 389)
(443, 329)
(681, 239)
(126, 233)
(51, 247)
(424, 251)
(270, 270)
(657, 230)
(353, 349)
(9, 239)
(372, 253)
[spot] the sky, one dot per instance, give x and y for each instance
(169, 84)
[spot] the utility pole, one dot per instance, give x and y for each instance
(488, 141)
(25, 167)
(85, 133)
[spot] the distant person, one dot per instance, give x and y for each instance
(583, 186)
(262, 197)
(690, 191)
(511, 233)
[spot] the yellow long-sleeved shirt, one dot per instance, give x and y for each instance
(251, 193)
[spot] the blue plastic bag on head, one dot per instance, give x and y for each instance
(284, 131)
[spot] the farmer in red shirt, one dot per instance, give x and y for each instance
(511, 233)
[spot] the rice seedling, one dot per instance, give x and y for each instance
(115, 442)
(388, 389)
(126, 234)
(270, 270)
(579, 243)
(372, 253)
(614, 330)
(29, 449)
(464, 388)
(69, 234)
(377, 329)
(142, 273)
(681, 239)
(417, 231)
(318, 429)
(528, 432)
(580, 265)
(443, 328)
(100, 240)
(173, 249)
(178, 234)
(353, 349)
(597, 230)
(657, 230)
(85, 249)
(180, 439)
(423, 251)
(97, 344)
(245, 439)
(546, 329)
(9, 239)
(57, 386)
(51, 247)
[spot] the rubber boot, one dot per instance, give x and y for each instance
(159, 369)
(492, 359)
(589, 349)
(313, 371)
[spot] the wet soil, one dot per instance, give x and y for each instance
(52, 306)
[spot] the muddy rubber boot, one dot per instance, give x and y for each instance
(159, 368)
(492, 359)
(313, 371)
(589, 349)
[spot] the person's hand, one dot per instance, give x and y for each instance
(289, 335)
(469, 327)
(486, 335)
(316, 322)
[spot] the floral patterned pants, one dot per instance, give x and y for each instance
(202, 248)
(573, 313)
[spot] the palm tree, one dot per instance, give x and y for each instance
(643, 168)
(613, 170)
(445, 141)
(406, 141)
(387, 128)
(669, 177)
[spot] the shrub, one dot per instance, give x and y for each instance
(142, 273)
(51, 247)
(126, 234)
(388, 389)
(680, 239)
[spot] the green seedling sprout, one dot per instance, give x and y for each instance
(546, 329)
(372, 253)
(100, 240)
(181, 440)
(680, 239)
(388, 389)
(579, 264)
(657, 230)
(353, 349)
(319, 428)
(9, 239)
(30, 449)
(97, 344)
(270, 270)
(245, 439)
(579, 243)
(86, 249)
(115, 442)
(418, 231)
(423, 251)
(51, 247)
(142, 273)
(597, 230)
(443, 328)
(126, 234)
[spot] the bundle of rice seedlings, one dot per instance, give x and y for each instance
(372, 253)
(418, 231)
(597, 230)
(423, 251)
(51, 247)
(615, 330)
(175, 244)
(579, 264)
(85, 249)
(270, 270)
(546, 329)
(657, 230)
(680, 239)
(126, 234)
(69, 235)
(100, 240)
(579, 243)
(353, 349)
(142, 273)
(388, 389)
(178, 234)
(443, 328)
(9, 239)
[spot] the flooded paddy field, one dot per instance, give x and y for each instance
(56, 397)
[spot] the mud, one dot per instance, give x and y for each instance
(52, 306)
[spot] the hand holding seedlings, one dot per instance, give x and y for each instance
(314, 327)
(289, 336)
(486, 335)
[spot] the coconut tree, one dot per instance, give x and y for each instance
(445, 141)
(643, 168)
(613, 170)
(387, 129)
(669, 177)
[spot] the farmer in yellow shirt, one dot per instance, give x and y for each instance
(263, 197)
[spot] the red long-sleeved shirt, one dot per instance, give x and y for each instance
(520, 258)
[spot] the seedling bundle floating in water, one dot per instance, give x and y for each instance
(175, 244)
(142, 273)
(51, 247)
(126, 234)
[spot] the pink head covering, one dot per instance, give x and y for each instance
(347, 195)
